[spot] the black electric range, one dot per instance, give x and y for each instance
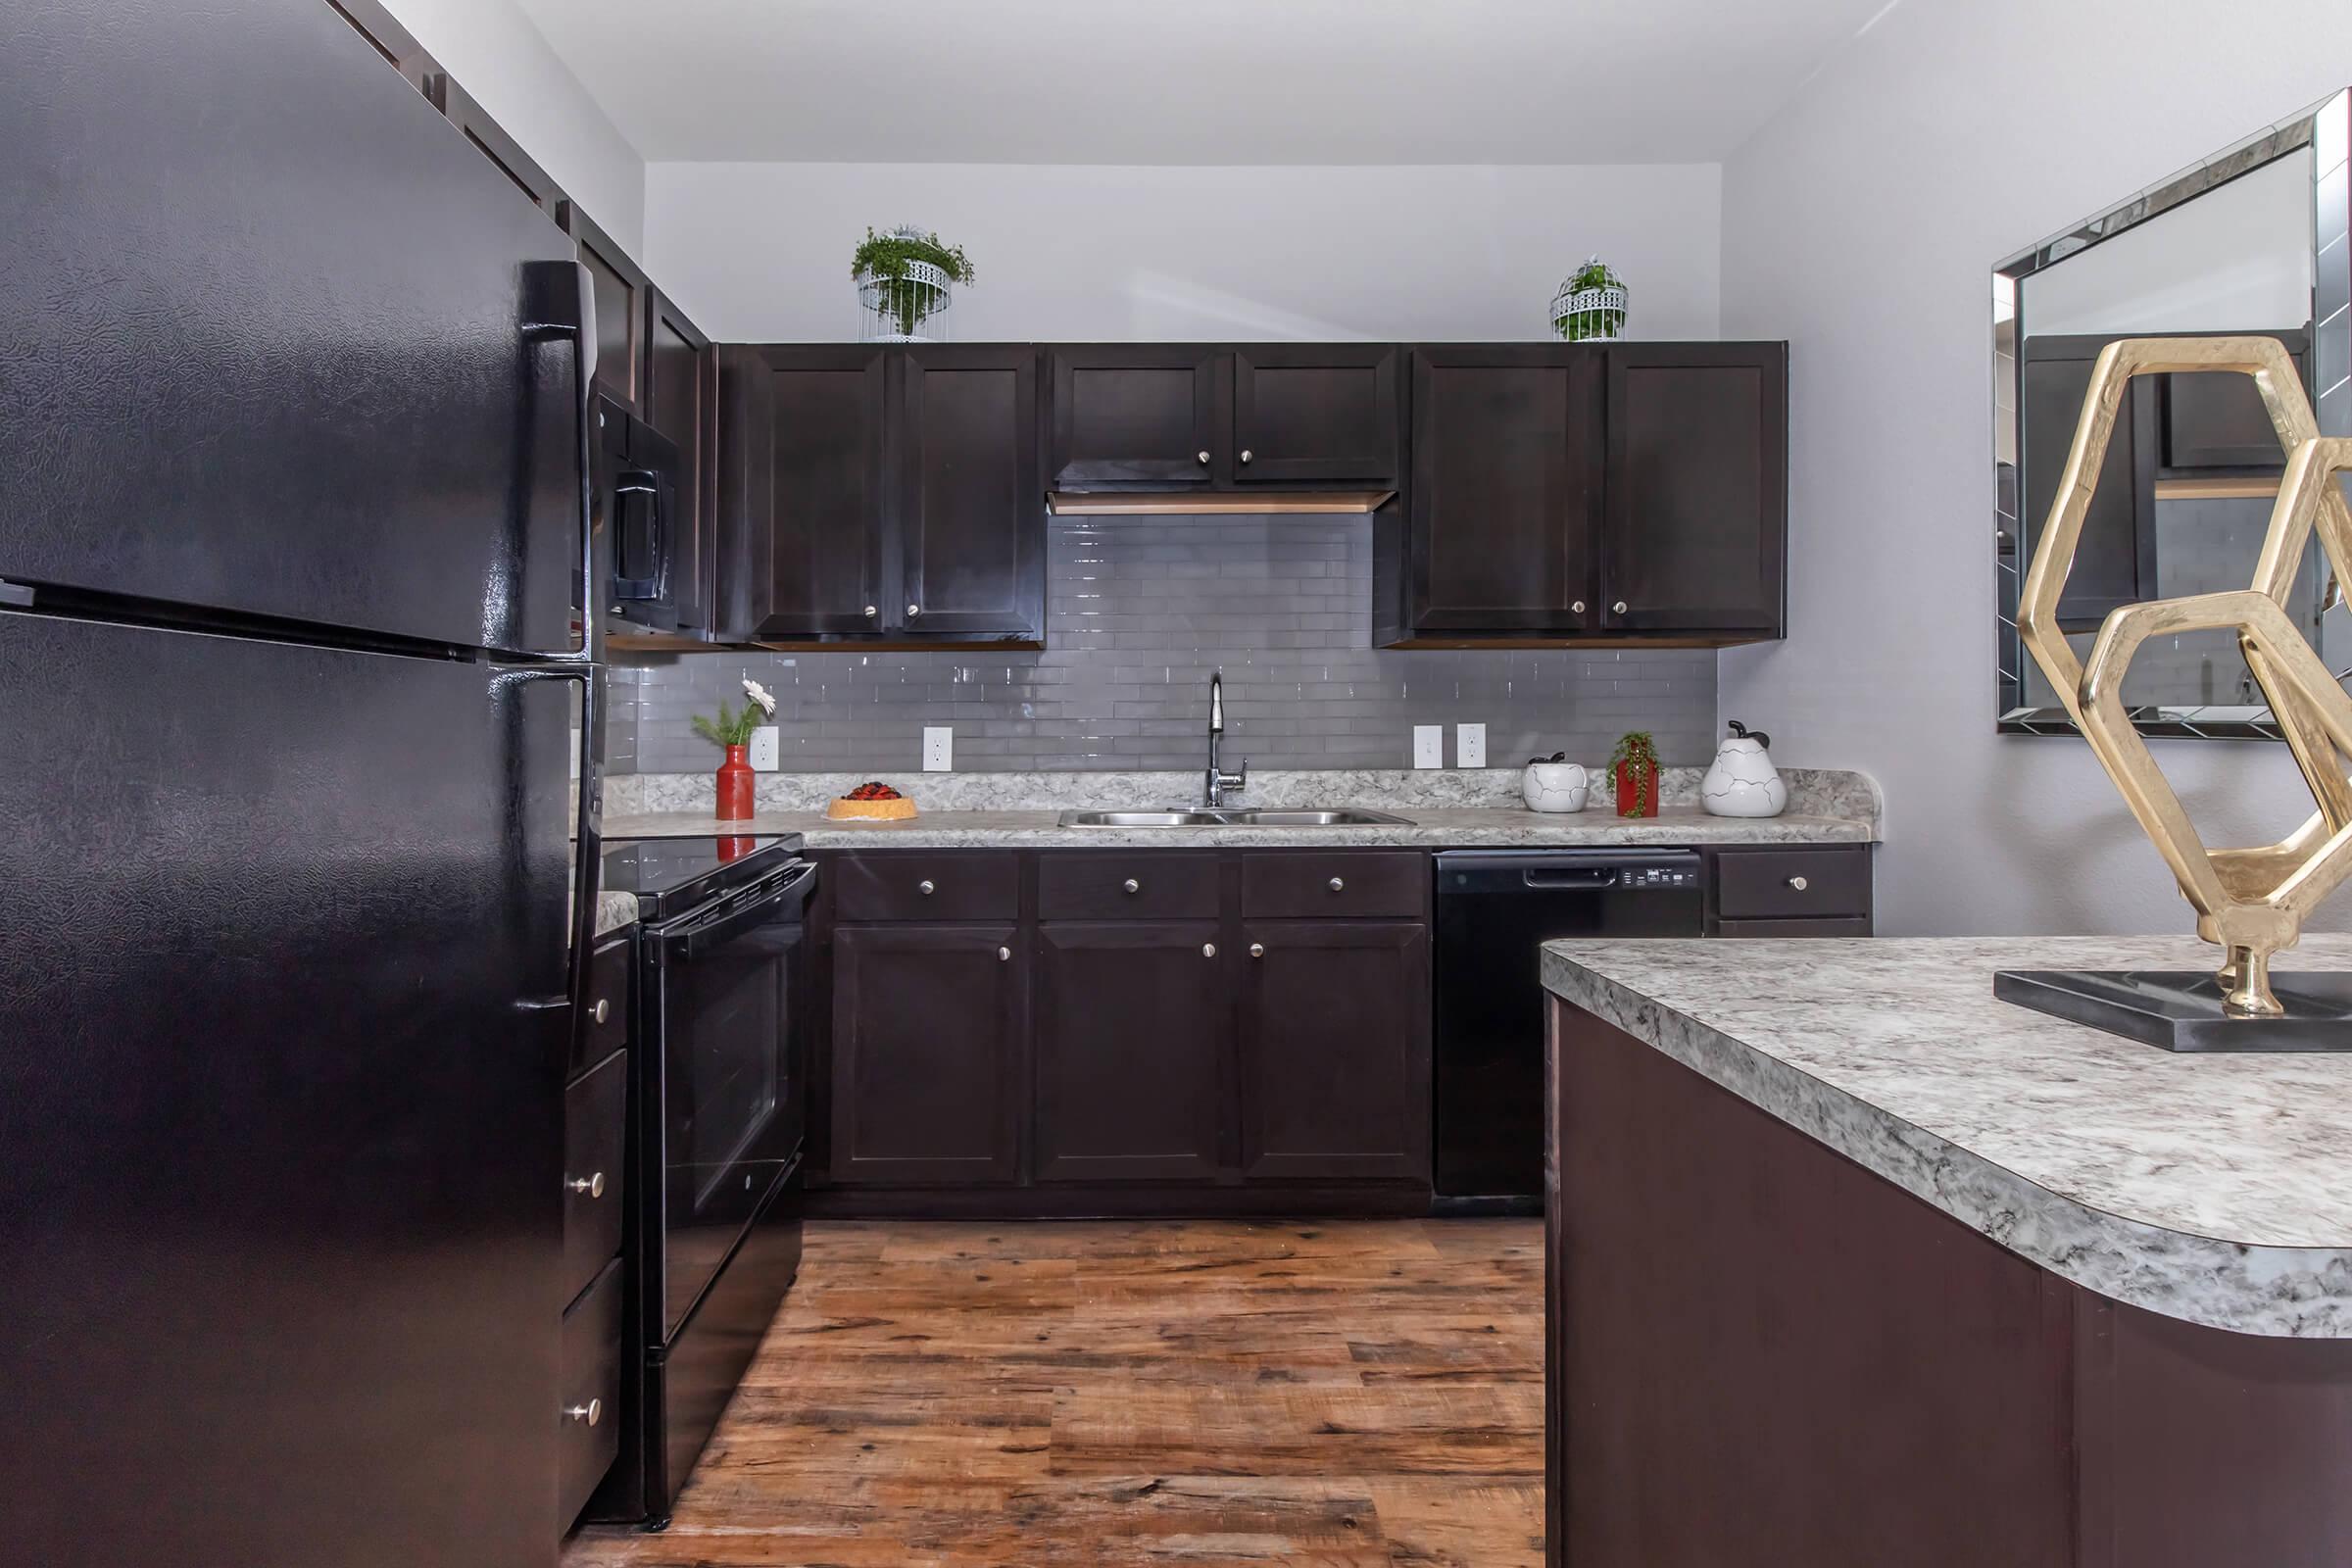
(718, 1109)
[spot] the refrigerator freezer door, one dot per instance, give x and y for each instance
(264, 348)
(280, 1220)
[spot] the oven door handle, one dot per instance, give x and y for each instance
(716, 930)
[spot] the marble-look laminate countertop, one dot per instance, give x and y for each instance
(1467, 827)
(2214, 1189)
(614, 912)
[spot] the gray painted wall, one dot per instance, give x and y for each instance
(1138, 613)
(1863, 223)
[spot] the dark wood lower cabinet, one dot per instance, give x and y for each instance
(1334, 1049)
(1131, 1043)
(1758, 1352)
(928, 1033)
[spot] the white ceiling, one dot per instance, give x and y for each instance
(1195, 82)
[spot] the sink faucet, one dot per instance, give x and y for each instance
(1219, 781)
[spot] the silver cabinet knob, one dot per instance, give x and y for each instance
(1003, 954)
(925, 888)
(1245, 453)
(913, 611)
(871, 611)
(589, 1414)
(1799, 883)
(604, 1011)
(1257, 950)
(593, 1186)
(1618, 608)
(1132, 885)
(1203, 455)
(1577, 607)
(1337, 886)
(1208, 950)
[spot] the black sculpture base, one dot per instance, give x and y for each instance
(2180, 1009)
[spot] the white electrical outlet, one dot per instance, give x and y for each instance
(1429, 746)
(938, 749)
(767, 745)
(1469, 745)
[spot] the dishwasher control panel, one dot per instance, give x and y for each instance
(1656, 876)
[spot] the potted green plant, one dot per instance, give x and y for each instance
(1590, 306)
(731, 732)
(906, 278)
(1635, 762)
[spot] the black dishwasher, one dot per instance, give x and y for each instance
(1496, 908)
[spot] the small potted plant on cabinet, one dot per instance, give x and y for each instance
(905, 282)
(1635, 763)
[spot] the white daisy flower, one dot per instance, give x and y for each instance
(758, 694)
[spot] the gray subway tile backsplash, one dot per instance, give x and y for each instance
(1140, 612)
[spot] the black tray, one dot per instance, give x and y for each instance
(2180, 1009)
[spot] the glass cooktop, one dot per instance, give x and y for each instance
(673, 875)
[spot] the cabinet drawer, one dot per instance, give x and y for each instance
(594, 1109)
(1792, 884)
(588, 1418)
(1131, 884)
(606, 1027)
(1852, 925)
(1330, 884)
(920, 885)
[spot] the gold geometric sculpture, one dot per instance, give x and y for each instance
(2251, 901)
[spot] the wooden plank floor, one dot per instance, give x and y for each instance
(1105, 1392)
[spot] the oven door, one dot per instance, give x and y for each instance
(726, 1085)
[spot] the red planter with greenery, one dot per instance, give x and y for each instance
(735, 778)
(1636, 765)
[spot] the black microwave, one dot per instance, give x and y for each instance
(636, 494)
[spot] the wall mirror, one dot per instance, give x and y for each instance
(2251, 241)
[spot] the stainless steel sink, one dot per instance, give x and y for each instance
(1234, 816)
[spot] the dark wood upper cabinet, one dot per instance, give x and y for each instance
(1506, 489)
(1335, 1070)
(1136, 416)
(387, 38)
(1319, 414)
(802, 488)
(473, 122)
(681, 401)
(1131, 1042)
(928, 1026)
(969, 510)
(2215, 420)
(2115, 559)
(1695, 530)
(621, 310)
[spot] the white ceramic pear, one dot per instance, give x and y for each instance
(1743, 782)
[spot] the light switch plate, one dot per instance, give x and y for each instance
(1429, 746)
(768, 741)
(1469, 745)
(938, 749)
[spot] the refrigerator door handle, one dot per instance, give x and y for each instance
(566, 295)
(587, 842)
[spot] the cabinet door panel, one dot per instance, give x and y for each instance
(1504, 488)
(971, 519)
(1321, 413)
(1132, 1022)
(2115, 555)
(1698, 486)
(681, 401)
(808, 503)
(490, 139)
(1334, 1049)
(1134, 417)
(620, 306)
(927, 1029)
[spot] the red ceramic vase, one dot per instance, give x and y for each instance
(735, 778)
(1629, 804)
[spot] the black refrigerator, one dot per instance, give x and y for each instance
(291, 507)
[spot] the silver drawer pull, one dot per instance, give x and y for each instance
(871, 611)
(1203, 457)
(1799, 883)
(925, 888)
(1618, 606)
(913, 611)
(1132, 885)
(1338, 886)
(1577, 607)
(1257, 950)
(1246, 453)
(593, 1186)
(1208, 950)
(603, 1009)
(590, 1413)
(1003, 954)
